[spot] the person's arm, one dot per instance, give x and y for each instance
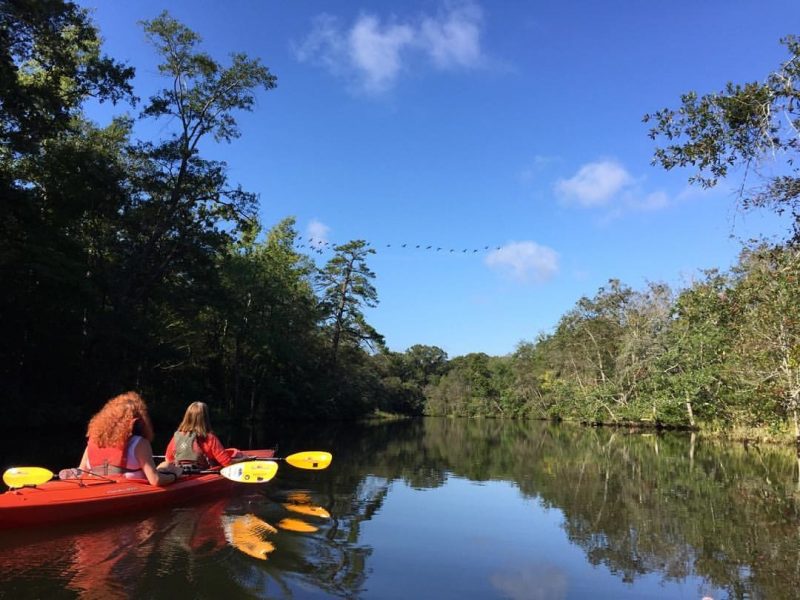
(214, 450)
(84, 466)
(160, 477)
(169, 455)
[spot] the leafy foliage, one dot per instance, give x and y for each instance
(346, 287)
(723, 350)
(743, 126)
(136, 262)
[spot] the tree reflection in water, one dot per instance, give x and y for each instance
(643, 506)
(669, 504)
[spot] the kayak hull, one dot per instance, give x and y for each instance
(81, 499)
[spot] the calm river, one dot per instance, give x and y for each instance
(443, 508)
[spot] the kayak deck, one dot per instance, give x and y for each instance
(79, 499)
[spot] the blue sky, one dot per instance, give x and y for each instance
(460, 125)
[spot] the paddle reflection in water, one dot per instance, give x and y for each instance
(296, 525)
(247, 534)
(299, 501)
(306, 509)
(193, 551)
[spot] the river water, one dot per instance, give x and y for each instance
(443, 508)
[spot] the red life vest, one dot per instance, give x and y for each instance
(107, 461)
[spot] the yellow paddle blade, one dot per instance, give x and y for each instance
(21, 476)
(246, 532)
(297, 525)
(308, 509)
(299, 497)
(253, 471)
(311, 459)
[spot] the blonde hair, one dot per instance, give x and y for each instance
(196, 420)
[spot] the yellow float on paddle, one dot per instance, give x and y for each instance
(253, 471)
(311, 459)
(17, 477)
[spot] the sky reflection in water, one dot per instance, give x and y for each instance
(448, 508)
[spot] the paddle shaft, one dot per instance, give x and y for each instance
(309, 459)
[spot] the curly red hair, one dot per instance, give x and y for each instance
(120, 417)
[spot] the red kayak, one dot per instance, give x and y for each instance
(74, 499)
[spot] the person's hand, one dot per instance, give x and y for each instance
(170, 468)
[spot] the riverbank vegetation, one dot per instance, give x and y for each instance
(130, 261)
(721, 353)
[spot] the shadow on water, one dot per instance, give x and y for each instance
(639, 505)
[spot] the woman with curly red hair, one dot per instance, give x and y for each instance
(118, 442)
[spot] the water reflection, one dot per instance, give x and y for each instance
(453, 508)
(535, 582)
(652, 507)
(247, 533)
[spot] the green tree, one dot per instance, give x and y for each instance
(766, 299)
(740, 127)
(183, 214)
(405, 377)
(346, 287)
(589, 338)
(646, 320)
(451, 395)
(529, 367)
(692, 375)
(423, 364)
(62, 180)
(50, 63)
(264, 324)
(182, 197)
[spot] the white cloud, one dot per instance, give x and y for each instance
(375, 52)
(372, 54)
(608, 184)
(317, 232)
(595, 184)
(454, 40)
(653, 201)
(324, 45)
(525, 261)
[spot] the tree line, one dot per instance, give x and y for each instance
(131, 262)
(722, 352)
(136, 263)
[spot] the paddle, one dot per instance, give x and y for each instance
(252, 471)
(261, 471)
(311, 459)
(314, 460)
(258, 471)
(17, 477)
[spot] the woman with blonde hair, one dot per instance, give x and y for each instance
(119, 440)
(194, 444)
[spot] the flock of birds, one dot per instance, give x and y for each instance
(319, 246)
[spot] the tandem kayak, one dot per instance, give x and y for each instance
(61, 501)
